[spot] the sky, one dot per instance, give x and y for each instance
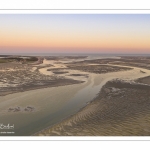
(75, 33)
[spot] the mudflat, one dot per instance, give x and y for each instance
(71, 95)
(121, 109)
(145, 80)
(16, 76)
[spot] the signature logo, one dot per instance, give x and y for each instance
(8, 126)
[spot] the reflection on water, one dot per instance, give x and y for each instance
(56, 103)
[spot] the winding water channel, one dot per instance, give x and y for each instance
(56, 103)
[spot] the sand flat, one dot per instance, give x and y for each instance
(54, 104)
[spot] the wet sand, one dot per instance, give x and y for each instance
(121, 109)
(54, 104)
(145, 80)
(135, 61)
(74, 125)
(16, 77)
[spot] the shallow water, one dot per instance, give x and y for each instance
(56, 103)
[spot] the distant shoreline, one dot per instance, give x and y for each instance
(74, 54)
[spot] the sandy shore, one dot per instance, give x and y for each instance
(121, 108)
(63, 97)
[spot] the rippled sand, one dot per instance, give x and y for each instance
(121, 108)
(54, 104)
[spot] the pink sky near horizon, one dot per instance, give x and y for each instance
(75, 33)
